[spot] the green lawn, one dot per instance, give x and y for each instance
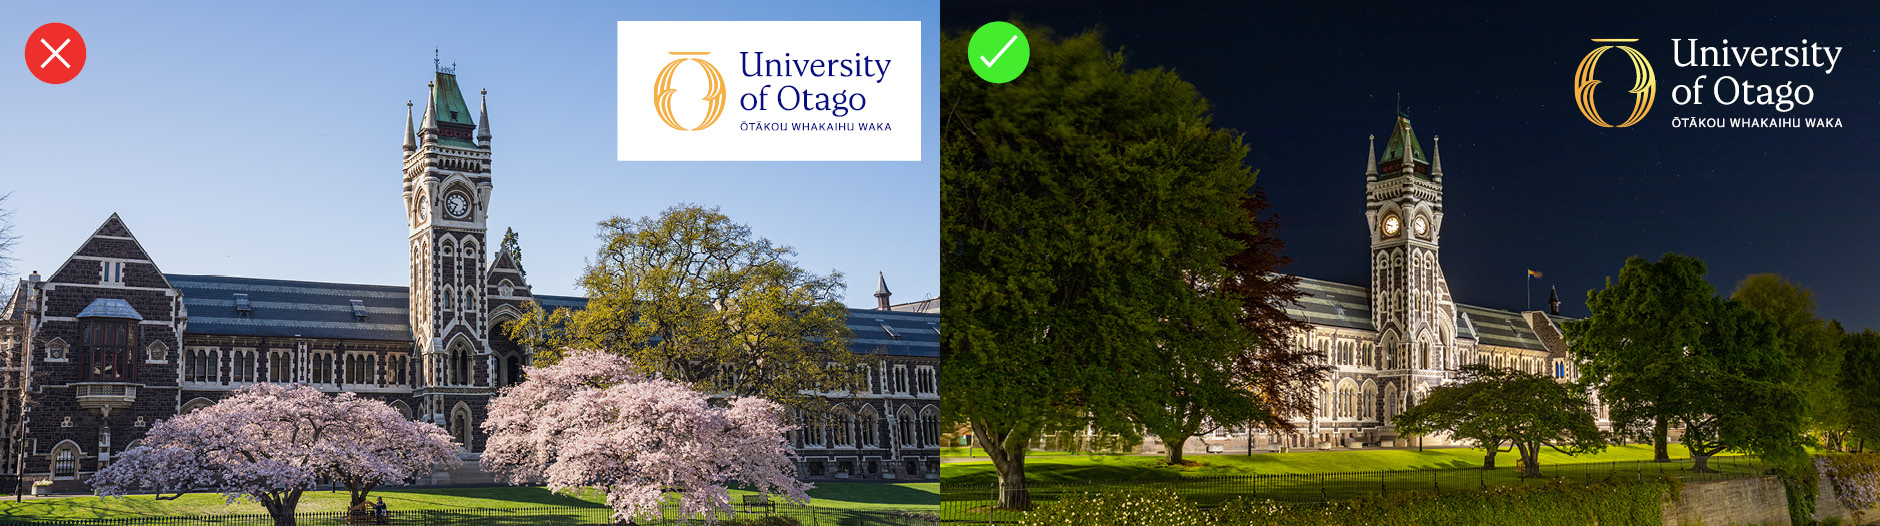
(1083, 468)
(832, 502)
(1309, 477)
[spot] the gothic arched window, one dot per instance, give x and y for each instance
(930, 426)
(866, 426)
(905, 423)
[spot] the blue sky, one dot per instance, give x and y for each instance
(263, 140)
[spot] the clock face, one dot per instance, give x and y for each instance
(1392, 225)
(1421, 226)
(457, 205)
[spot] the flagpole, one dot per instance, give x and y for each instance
(1527, 284)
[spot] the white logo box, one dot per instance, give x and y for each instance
(892, 99)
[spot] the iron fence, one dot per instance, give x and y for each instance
(978, 502)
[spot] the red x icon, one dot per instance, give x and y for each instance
(55, 53)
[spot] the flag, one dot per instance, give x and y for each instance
(1534, 273)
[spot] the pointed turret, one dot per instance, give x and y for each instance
(411, 135)
(1402, 154)
(483, 120)
(1370, 161)
(1553, 301)
(881, 291)
(430, 113)
(1436, 164)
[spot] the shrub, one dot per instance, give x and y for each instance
(1803, 485)
(1558, 503)
(1119, 508)
(1856, 478)
(1618, 503)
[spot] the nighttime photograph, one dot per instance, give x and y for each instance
(1395, 264)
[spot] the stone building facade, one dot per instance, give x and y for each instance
(1391, 342)
(109, 344)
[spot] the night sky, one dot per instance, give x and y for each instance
(1529, 182)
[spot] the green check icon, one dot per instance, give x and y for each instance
(989, 50)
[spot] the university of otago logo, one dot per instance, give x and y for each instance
(1644, 83)
(714, 91)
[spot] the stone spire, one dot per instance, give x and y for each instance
(881, 291)
(1553, 301)
(1436, 161)
(411, 136)
(483, 120)
(430, 113)
(1370, 162)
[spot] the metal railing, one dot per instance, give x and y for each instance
(978, 502)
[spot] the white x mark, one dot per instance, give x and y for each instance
(55, 53)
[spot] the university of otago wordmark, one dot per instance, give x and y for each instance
(769, 91)
(1762, 103)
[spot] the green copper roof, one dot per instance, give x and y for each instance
(1400, 136)
(452, 110)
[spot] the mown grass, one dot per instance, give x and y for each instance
(1086, 468)
(833, 502)
(1229, 481)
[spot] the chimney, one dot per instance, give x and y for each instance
(32, 289)
(1553, 301)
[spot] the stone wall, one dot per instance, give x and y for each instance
(1760, 500)
(1827, 506)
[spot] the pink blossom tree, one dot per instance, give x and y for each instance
(270, 442)
(589, 421)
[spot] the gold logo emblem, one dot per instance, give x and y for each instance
(714, 91)
(1644, 84)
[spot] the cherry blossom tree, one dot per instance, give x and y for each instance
(589, 421)
(268, 443)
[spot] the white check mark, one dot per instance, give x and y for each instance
(995, 58)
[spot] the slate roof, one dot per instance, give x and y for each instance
(1334, 304)
(284, 308)
(1349, 306)
(308, 309)
(110, 308)
(895, 333)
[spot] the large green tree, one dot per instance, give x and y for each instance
(697, 298)
(1662, 349)
(1814, 345)
(1638, 325)
(1494, 406)
(1737, 389)
(1080, 203)
(1253, 378)
(1860, 385)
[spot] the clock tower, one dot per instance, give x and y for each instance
(1410, 303)
(447, 195)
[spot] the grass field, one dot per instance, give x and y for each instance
(1085, 468)
(832, 502)
(1309, 477)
